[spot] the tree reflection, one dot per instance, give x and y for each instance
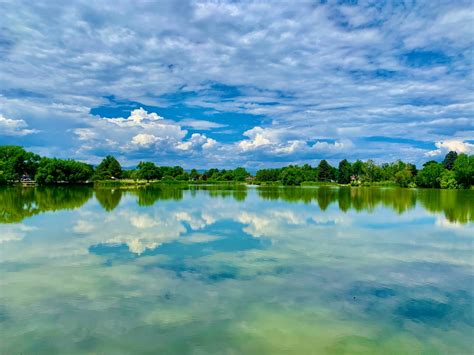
(236, 191)
(109, 199)
(149, 195)
(18, 203)
(457, 205)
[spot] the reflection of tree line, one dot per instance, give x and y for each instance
(17, 203)
(457, 205)
(356, 198)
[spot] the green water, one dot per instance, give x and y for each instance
(221, 270)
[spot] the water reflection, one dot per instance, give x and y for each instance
(165, 269)
(17, 203)
(457, 205)
(109, 199)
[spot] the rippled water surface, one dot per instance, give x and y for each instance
(219, 270)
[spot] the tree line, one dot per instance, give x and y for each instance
(455, 171)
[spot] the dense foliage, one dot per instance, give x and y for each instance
(52, 171)
(15, 162)
(455, 171)
(109, 168)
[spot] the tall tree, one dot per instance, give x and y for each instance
(372, 172)
(430, 175)
(148, 171)
(344, 172)
(239, 174)
(449, 159)
(324, 171)
(194, 175)
(108, 168)
(358, 168)
(15, 161)
(290, 176)
(464, 170)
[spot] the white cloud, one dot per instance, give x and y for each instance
(292, 147)
(258, 137)
(138, 117)
(200, 124)
(143, 221)
(196, 141)
(335, 147)
(83, 226)
(11, 127)
(85, 134)
(13, 232)
(199, 238)
(210, 143)
(144, 139)
(451, 145)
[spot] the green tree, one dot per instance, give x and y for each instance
(52, 171)
(128, 174)
(267, 175)
(210, 174)
(309, 173)
(448, 180)
(430, 175)
(291, 176)
(148, 171)
(372, 172)
(108, 168)
(324, 171)
(464, 170)
(167, 178)
(15, 162)
(344, 172)
(449, 159)
(194, 175)
(358, 169)
(183, 177)
(403, 177)
(176, 171)
(240, 174)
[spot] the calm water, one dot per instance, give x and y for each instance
(236, 271)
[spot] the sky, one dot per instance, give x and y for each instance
(237, 83)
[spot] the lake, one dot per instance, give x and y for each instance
(236, 270)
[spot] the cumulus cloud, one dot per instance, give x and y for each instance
(144, 139)
(279, 142)
(144, 133)
(138, 117)
(197, 141)
(451, 145)
(258, 137)
(338, 146)
(12, 127)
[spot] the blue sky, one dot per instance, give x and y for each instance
(230, 83)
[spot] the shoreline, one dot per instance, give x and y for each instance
(143, 183)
